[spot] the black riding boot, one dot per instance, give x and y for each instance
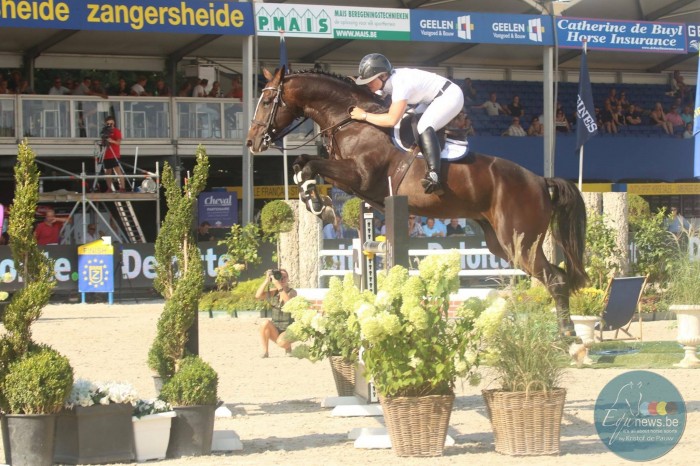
(430, 147)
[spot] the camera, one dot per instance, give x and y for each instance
(276, 274)
(106, 133)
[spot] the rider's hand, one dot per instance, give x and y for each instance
(358, 114)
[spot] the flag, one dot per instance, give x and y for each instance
(586, 126)
(283, 52)
(696, 124)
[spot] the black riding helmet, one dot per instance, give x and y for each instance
(371, 66)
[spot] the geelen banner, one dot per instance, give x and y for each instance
(328, 22)
(484, 28)
(693, 37)
(633, 36)
(219, 208)
(175, 16)
(696, 123)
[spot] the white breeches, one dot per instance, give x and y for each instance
(443, 109)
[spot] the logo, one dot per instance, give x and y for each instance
(694, 44)
(293, 21)
(535, 29)
(640, 416)
(95, 273)
(464, 27)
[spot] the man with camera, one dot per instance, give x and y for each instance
(111, 142)
(276, 290)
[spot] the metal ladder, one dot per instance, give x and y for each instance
(130, 221)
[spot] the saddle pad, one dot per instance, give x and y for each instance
(453, 149)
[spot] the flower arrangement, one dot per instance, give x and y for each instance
(86, 393)
(587, 302)
(411, 346)
(333, 331)
(147, 407)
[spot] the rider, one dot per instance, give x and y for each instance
(410, 86)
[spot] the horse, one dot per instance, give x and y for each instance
(513, 206)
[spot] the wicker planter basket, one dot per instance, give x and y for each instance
(417, 425)
(526, 423)
(344, 376)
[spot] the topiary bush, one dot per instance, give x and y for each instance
(38, 383)
(275, 218)
(195, 383)
(351, 212)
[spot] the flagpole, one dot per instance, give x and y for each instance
(580, 153)
(285, 167)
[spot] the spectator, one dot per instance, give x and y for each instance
(334, 230)
(215, 90)
(58, 88)
(561, 124)
(536, 128)
(468, 127)
(97, 87)
(433, 229)
(491, 106)
(618, 116)
(139, 87)
(203, 233)
(85, 88)
(676, 223)
(121, 88)
(112, 154)
(3, 87)
(678, 86)
(71, 85)
(468, 91)
(658, 118)
(414, 228)
(623, 100)
(92, 233)
(200, 90)
(236, 91)
(515, 109)
(49, 231)
(277, 293)
(454, 228)
(14, 81)
(162, 90)
(674, 118)
(607, 117)
(687, 114)
(612, 97)
(185, 90)
(632, 117)
(688, 133)
(24, 87)
(515, 129)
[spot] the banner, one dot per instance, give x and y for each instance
(219, 208)
(696, 123)
(96, 267)
(176, 16)
(332, 22)
(485, 28)
(586, 126)
(633, 36)
(693, 37)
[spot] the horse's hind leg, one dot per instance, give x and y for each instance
(554, 278)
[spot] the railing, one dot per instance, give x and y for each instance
(139, 118)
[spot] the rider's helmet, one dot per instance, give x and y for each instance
(371, 66)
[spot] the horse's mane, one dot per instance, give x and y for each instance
(361, 91)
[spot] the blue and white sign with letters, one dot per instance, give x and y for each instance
(487, 28)
(633, 36)
(693, 37)
(219, 208)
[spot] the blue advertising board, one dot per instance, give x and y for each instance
(96, 267)
(219, 208)
(485, 28)
(693, 37)
(632, 36)
(177, 16)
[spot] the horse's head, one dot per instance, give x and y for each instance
(271, 114)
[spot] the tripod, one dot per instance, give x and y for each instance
(101, 148)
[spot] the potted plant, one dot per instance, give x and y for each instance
(586, 306)
(24, 363)
(521, 340)
(333, 332)
(95, 426)
(684, 295)
(413, 352)
(151, 420)
(192, 392)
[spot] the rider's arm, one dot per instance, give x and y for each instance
(388, 119)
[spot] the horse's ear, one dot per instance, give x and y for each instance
(267, 74)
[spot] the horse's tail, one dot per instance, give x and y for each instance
(569, 228)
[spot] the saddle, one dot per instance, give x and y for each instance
(453, 140)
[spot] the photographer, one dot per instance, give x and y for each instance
(276, 289)
(111, 142)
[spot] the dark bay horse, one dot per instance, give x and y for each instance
(506, 199)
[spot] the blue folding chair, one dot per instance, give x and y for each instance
(623, 301)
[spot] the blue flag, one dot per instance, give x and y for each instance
(696, 124)
(586, 126)
(283, 52)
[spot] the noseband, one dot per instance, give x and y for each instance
(268, 125)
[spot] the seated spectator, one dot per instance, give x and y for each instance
(607, 118)
(623, 100)
(618, 116)
(49, 231)
(678, 86)
(185, 90)
(85, 88)
(200, 89)
(162, 89)
(491, 106)
(536, 128)
(203, 233)
(688, 133)
(71, 85)
(687, 114)
(3, 87)
(236, 91)
(612, 97)
(215, 90)
(658, 118)
(515, 129)
(515, 109)
(433, 228)
(469, 127)
(468, 91)
(414, 228)
(92, 233)
(633, 117)
(58, 88)
(97, 87)
(561, 124)
(674, 118)
(454, 228)
(121, 88)
(139, 87)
